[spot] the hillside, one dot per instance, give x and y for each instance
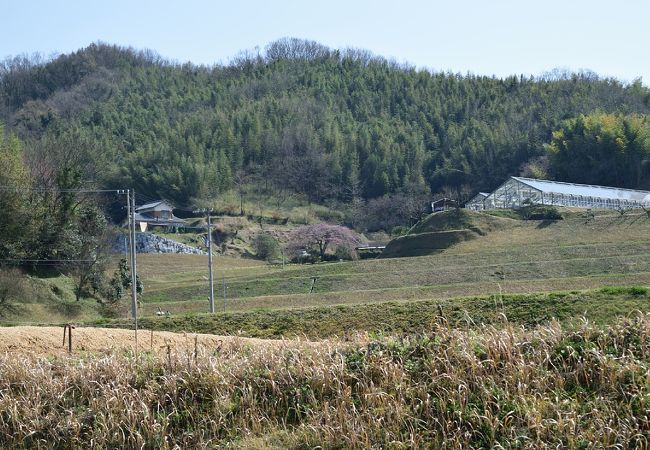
(570, 255)
(443, 229)
(461, 219)
(537, 269)
(298, 118)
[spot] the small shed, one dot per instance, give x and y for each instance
(443, 204)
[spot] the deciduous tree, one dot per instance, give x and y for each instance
(320, 238)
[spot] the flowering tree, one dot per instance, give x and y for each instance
(320, 238)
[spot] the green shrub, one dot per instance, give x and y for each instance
(540, 213)
(399, 230)
(266, 247)
(11, 289)
(345, 253)
(635, 291)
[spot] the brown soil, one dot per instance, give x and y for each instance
(49, 340)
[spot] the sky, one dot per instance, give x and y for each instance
(488, 37)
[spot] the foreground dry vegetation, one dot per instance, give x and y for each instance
(481, 387)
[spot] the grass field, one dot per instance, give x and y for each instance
(549, 387)
(533, 334)
(527, 256)
(600, 306)
(512, 257)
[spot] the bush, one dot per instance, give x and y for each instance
(11, 288)
(346, 253)
(266, 247)
(635, 291)
(399, 230)
(540, 213)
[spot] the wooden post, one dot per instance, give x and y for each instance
(69, 328)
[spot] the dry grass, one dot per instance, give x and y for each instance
(485, 387)
(49, 340)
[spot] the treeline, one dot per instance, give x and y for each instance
(300, 117)
(52, 220)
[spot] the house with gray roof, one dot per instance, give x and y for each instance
(158, 213)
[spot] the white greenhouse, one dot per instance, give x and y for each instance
(517, 192)
(477, 202)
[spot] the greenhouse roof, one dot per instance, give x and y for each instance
(585, 190)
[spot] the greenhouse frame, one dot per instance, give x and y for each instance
(518, 191)
(477, 202)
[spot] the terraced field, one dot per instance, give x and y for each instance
(522, 256)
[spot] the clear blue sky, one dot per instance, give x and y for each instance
(491, 37)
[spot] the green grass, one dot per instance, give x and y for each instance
(601, 306)
(426, 243)
(460, 219)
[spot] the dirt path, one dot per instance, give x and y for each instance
(49, 340)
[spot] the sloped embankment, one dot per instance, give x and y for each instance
(442, 230)
(152, 243)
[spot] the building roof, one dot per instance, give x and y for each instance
(138, 217)
(585, 190)
(444, 199)
(152, 205)
(481, 194)
(480, 197)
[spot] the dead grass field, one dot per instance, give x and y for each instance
(549, 387)
(86, 340)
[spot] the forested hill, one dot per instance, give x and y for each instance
(330, 124)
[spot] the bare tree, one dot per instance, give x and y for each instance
(646, 210)
(241, 179)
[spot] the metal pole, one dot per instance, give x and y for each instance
(210, 264)
(134, 273)
(223, 277)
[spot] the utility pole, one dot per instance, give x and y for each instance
(130, 214)
(210, 263)
(225, 288)
(134, 273)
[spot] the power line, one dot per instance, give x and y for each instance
(17, 189)
(147, 198)
(47, 260)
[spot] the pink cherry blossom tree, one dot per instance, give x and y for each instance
(321, 238)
